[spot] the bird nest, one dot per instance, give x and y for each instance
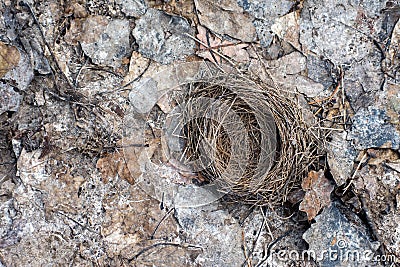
(247, 137)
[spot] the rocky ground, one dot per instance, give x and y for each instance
(80, 185)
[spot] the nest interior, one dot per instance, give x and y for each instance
(248, 137)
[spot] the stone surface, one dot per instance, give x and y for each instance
(35, 51)
(371, 129)
(58, 206)
(336, 30)
(320, 70)
(144, 95)
(133, 8)
(10, 99)
(287, 72)
(341, 156)
(335, 241)
(162, 38)
(105, 41)
(287, 28)
(343, 33)
(137, 67)
(21, 75)
(364, 79)
(226, 17)
(265, 13)
(213, 230)
(390, 232)
(378, 184)
(391, 63)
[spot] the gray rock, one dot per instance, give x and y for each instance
(214, 230)
(308, 87)
(389, 99)
(287, 73)
(371, 129)
(335, 29)
(144, 95)
(33, 47)
(110, 45)
(162, 38)
(343, 32)
(363, 79)
(320, 70)
(265, 13)
(391, 62)
(341, 157)
(9, 98)
(335, 241)
(134, 8)
(22, 74)
(390, 230)
(226, 17)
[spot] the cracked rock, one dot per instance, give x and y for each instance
(133, 8)
(363, 79)
(105, 41)
(22, 74)
(391, 62)
(10, 99)
(35, 51)
(371, 129)
(336, 241)
(341, 157)
(226, 17)
(161, 37)
(287, 73)
(335, 29)
(213, 230)
(320, 70)
(144, 95)
(343, 32)
(265, 13)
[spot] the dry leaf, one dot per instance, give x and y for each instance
(86, 30)
(377, 156)
(113, 164)
(394, 47)
(76, 9)
(182, 8)
(232, 50)
(395, 165)
(318, 190)
(288, 28)
(137, 67)
(9, 58)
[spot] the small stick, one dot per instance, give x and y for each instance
(343, 102)
(355, 173)
(164, 244)
(216, 52)
(248, 260)
(159, 223)
(333, 93)
(59, 70)
(221, 46)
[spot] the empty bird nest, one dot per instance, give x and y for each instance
(247, 137)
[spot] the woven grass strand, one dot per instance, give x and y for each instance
(280, 146)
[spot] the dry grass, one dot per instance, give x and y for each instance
(248, 137)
